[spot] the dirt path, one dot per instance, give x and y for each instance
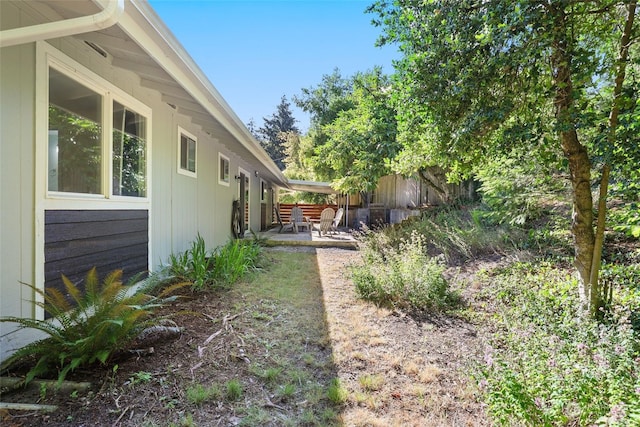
(399, 371)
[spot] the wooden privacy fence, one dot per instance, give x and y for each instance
(310, 210)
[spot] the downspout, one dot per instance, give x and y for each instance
(67, 27)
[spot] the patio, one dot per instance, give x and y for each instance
(342, 239)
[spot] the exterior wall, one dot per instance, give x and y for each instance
(394, 191)
(17, 205)
(179, 206)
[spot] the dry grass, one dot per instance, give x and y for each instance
(285, 337)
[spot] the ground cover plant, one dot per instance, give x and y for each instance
(91, 327)
(545, 363)
(219, 268)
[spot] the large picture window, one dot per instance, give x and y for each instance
(78, 159)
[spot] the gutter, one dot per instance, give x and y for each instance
(109, 15)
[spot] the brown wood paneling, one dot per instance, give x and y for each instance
(78, 240)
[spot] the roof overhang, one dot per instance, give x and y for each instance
(312, 186)
(137, 40)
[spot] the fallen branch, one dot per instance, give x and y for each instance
(27, 407)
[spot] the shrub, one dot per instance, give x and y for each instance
(88, 330)
(219, 268)
(550, 366)
(405, 277)
(193, 265)
(454, 233)
(233, 260)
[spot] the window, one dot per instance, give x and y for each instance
(263, 191)
(187, 152)
(75, 136)
(78, 158)
(129, 152)
(223, 169)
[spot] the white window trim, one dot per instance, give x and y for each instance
(52, 58)
(220, 180)
(181, 171)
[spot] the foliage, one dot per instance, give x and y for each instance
(548, 366)
(626, 219)
(514, 190)
(448, 231)
(404, 277)
(220, 268)
(353, 129)
(273, 131)
(88, 329)
(478, 79)
(194, 264)
(233, 261)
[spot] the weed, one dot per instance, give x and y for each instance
(286, 391)
(234, 390)
(198, 393)
(255, 416)
(403, 278)
(548, 366)
(140, 377)
(371, 382)
(336, 393)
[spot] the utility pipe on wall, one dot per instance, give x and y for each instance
(67, 27)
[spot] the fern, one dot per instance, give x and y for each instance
(87, 328)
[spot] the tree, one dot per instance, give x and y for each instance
(353, 129)
(478, 78)
(281, 122)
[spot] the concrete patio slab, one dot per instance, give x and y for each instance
(342, 239)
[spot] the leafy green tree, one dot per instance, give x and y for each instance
(353, 129)
(282, 121)
(478, 78)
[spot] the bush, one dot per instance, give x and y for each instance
(88, 330)
(550, 366)
(405, 277)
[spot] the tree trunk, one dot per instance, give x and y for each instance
(621, 66)
(575, 153)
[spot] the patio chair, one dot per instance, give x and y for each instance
(326, 220)
(336, 221)
(283, 226)
(299, 220)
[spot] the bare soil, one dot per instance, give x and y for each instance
(285, 348)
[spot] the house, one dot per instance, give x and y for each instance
(115, 149)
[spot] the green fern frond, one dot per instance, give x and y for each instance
(72, 290)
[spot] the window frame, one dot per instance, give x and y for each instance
(54, 59)
(180, 169)
(222, 158)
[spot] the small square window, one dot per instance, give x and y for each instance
(223, 169)
(187, 153)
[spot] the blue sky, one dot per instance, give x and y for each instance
(256, 51)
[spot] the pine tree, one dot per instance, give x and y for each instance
(275, 127)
